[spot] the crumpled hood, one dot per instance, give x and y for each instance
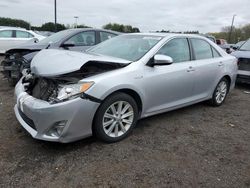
(54, 62)
(241, 54)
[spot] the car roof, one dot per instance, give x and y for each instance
(167, 35)
(91, 29)
(15, 28)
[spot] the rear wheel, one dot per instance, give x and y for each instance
(220, 92)
(115, 118)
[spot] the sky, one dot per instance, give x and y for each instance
(148, 15)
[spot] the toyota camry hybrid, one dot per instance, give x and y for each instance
(67, 96)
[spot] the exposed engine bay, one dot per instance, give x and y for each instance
(48, 88)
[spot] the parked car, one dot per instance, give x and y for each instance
(45, 33)
(221, 41)
(72, 95)
(238, 45)
(12, 36)
(19, 58)
(210, 37)
(243, 55)
(225, 46)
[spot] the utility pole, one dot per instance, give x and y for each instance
(231, 30)
(55, 18)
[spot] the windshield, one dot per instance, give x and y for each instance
(128, 47)
(245, 46)
(55, 37)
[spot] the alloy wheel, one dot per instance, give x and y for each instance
(221, 92)
(118, 118)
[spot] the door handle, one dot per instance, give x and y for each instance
(190, 69)
(220, 64)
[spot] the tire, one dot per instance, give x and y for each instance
(111, 126)
(220, 93)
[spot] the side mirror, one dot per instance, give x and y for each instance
(235, 47)
(35, 40)
(162, 60)
(68, 44)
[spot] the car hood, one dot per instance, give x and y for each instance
(241, 54)
(54, 62)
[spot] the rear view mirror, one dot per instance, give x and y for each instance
(162, 59)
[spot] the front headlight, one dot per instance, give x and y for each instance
(73, 90)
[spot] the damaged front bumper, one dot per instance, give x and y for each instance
(61, 122)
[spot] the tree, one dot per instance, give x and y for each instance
(51, 27)
(14, 23)
(238, 34)
(121, 28)
(82, 26)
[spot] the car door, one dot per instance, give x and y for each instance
(6, 39)
(22, 37)
(208, 67)
(170, 85)
(82, 41)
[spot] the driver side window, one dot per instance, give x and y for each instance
(86, 38)
(178, 49)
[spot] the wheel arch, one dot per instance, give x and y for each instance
(228, 79)
(135, 95)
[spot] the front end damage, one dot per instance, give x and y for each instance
(14, 63)
(55, 108)
(50, 89)
(61, 122)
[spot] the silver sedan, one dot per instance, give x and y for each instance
(67, 96)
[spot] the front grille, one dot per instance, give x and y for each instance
(27, 120)
(244, 64)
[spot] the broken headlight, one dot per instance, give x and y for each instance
(73, 90)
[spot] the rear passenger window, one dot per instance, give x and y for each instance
(202, 49)
(86, 38)
(215, 53)
(105, 36)
(6, 34)
(23, 34)
(178, 49)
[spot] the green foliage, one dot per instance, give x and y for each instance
(51, 27)
(238, 34)
(191, 32)
(82, 26)
(121, 28)
(14, 23)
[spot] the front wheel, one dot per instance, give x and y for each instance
(115, 118)
(220, 92)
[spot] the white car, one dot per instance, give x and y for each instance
(11, 37)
